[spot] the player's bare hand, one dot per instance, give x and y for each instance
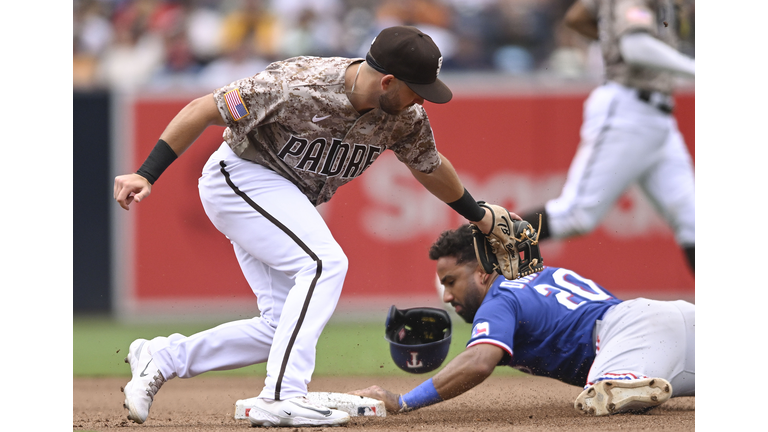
(129, 188)
(376, 392)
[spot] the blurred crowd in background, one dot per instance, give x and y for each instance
(129, 45)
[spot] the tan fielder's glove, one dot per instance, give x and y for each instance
(499, 250)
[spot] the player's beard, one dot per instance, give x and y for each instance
(473, 298)
(390, 103)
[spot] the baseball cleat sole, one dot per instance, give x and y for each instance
(614, 397)
(261, 419)
(295, 422)
(132, 413)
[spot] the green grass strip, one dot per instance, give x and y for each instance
(344, 349)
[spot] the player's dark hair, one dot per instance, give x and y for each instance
(455, 243)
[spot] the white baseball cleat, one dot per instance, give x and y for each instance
(145, 382)
(616, 396)
(296, 411)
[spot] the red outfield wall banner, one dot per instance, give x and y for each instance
(509, 150)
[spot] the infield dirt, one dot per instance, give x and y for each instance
(499, 404)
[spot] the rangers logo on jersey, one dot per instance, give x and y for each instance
(481, 329)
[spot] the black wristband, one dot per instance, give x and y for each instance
(468, 207)
(158, 160)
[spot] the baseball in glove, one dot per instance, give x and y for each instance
(511, 248)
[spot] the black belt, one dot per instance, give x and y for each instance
(661, 101)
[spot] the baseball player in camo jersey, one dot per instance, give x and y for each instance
(294, 134)
(628, 134)
(628, 356)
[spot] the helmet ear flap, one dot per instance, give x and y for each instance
(393, 317)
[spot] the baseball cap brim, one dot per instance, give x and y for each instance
(436, 92)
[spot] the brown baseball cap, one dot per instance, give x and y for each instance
(412, 57)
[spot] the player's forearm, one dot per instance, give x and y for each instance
(465, 372)
(443, 182)
(191, 122)
(180, 133)
(642, 49)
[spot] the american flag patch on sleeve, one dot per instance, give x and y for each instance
(235, 104)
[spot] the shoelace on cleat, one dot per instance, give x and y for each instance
(154, 385)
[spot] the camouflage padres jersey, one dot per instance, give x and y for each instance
(616, 18)
(295, 118)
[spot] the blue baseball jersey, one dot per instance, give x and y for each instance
(543, 322)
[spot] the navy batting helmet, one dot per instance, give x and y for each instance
(418, 338)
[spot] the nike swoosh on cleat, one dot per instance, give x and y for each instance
(326, 412)
(316, 119)
(287, 412)
(142, 374)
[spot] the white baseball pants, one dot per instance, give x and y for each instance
(625, 140)
(648, 338)
(291, 262)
